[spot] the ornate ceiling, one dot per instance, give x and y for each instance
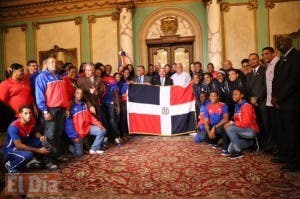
(15, 10)
(11, 10)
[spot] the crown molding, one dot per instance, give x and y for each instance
(251, 5)
(270, 4)
(10, 3)
(208, 2)
(14, 10)
(142, 3)
(36, 25)
(93, 18)
(22, 26)
(115, 16)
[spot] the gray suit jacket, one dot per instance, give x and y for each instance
(146, 79)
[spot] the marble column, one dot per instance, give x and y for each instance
(126, 33)
(214, 33)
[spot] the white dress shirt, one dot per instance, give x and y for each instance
(182, 79)
(269, 79)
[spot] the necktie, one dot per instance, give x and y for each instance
(162, 81)
(140, 79)
(254, 72)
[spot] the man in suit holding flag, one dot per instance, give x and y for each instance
(162, 79)
(141, 78)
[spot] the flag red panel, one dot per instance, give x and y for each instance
(181, 95)
(145, 124)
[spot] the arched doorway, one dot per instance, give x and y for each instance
(170, 35)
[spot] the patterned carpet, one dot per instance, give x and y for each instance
(175, 167)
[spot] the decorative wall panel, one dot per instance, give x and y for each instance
(104, 38)
(284, 18)
(65, 34)
(239, 25)
(15, 46)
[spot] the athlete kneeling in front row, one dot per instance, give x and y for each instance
(22, 141)
(81, 123)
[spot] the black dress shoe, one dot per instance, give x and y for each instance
(270, 151)
(277, 160)
(290, 168)
(62, 159)
(267, 151)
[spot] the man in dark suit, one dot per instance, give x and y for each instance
(141, 78)
(286, 96)
(256, 93)
(162, 79)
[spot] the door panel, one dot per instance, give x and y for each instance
(171, 53)
(182, 54)
(161, 56)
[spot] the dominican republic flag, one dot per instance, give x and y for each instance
(161, 110)
(123, 56)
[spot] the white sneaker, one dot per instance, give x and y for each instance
(50, 166)
(117, 140)
(9, 169)
(105, 140)
(33, 163)
(92, 152)
(99, 151)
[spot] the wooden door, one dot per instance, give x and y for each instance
(171, 50)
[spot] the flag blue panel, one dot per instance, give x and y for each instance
(144, 94)
(183, 123)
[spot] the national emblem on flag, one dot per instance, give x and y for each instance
(165, 110)
(161, 110)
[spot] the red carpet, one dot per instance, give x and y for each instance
(175, 167)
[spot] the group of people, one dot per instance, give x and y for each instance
(255, 107)
(60, 108)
